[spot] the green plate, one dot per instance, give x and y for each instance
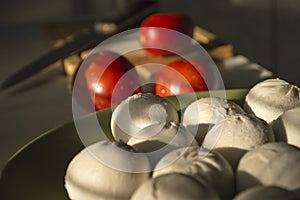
(37, 170)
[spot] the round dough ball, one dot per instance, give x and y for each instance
(201, 114)
(266, 193)
(208, 109)
(270, 98)
(139, 111)
(287, 127)
(238, 134)
(244, 131)
(157, 141)
(275, 164)
(210, 166)
(176, 187)
(89, 179)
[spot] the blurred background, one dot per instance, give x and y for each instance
(267, 32)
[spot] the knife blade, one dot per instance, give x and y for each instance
(87, 39)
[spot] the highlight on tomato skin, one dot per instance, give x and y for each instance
(180, 77)
(158, 41)
(109, 79)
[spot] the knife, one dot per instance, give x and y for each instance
(87, 39)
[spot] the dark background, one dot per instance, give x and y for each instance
(265, 31)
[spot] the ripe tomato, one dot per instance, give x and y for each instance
(156, 40)
(180, 77)
(110, 78)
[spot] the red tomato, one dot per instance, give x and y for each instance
(106, 80)
(180, 77)
(156, 40)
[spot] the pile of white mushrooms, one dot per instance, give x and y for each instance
(215, 150)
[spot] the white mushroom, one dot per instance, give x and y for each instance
(210, 166)
(139, 111)
(176, 187)
(270, 98)
(275, 164)
(94, 173)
